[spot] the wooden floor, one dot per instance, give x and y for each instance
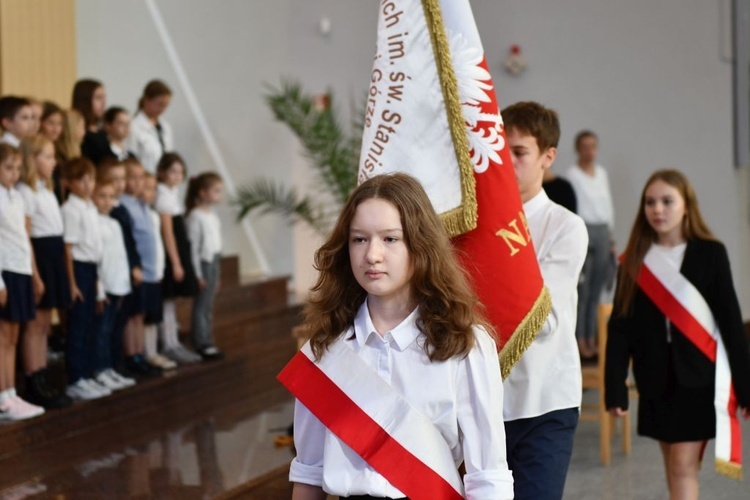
(200, 432)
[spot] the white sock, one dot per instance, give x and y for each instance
(150, 332)
(5, 396)
(169, 326)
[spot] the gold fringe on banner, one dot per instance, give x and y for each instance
(729, 469)
(525, 333)
(464, 218)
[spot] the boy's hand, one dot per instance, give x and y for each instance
(75, 294)
(38, 286)
(3, 297)
(618, 412)
(137, 276)
(179, 273)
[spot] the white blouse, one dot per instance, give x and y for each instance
(204, 233)
(463, 397)
(15, 248)
(81, 220)
(548, 375)
(43, 210)
(114, 271)
(168, 200)
(593, 197)
(143, 141)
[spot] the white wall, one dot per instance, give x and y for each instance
(647, 75)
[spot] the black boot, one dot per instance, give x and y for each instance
(40, 392)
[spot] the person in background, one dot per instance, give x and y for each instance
(591, 185)
(204, 192)
(150, 135)
(18, 269)
(559, 190)
(44, 219)
(154, 313)
(51, 121)
(16, 120)
(116, 130)
(114, 276)
(68, 147)
(680, 401)
(179, 275)
(36, 115)
(83, 252)
(90, 99)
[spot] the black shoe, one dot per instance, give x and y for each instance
(141, 368)
(210, 353)
(40, 392)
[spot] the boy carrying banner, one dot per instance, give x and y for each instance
(543, 390)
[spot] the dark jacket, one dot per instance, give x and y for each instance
(642, 335)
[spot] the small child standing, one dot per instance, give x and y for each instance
(46, 224)
(154, 313)
(16, 120)
(179, 275)
(17, 265)
(144, 235)
(83, 252)
(114, 276)
(204, 231)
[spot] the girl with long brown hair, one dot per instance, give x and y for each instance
(390, 289)
(150, 135)
(675, 379)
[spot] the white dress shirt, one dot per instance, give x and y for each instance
(15, 248)
(43, 210)
(168, 200)
(160, 262)
(143, 141)
(593, 197)
(548, 375)
(11, 139)
(462, 397)
(81, 221)
(114, 271)
(204, 233)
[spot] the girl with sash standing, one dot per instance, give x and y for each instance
(400, 381)
(677, 316)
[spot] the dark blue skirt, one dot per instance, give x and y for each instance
(153, 303)
(188, 287)
(20, 306)
(50, 261)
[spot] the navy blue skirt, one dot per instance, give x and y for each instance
(50, 261)
(188, 287)
(153, 303)
(20, 306)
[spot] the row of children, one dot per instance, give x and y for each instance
(108, 260)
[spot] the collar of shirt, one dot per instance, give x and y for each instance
(403, 335)
(535, 204)
(11, 139)
(9, 193)
(77, 200)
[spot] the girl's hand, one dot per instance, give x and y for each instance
(137, 276)
(618, 412)
(3, 297)
(201, 283)
(179, 273)
(75, 294)
(745, 413)
(38, 286)
(100, 306)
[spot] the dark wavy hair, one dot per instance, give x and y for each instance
(448, 308)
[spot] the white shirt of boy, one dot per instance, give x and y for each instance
(113, 269)
(15, 250)
(204, 233)
(160, 256)
(143, 141)
(593, 197)
(548, 375)
(9, 138)
(457, 391)
(168, 200)
(81, 221)
(43, 210)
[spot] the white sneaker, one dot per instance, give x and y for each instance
(14, 408)
(104, 390)
(104, 379)
(121, 379)
(82, 390)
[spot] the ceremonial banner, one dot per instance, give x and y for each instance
(683, 304)
(432, 113)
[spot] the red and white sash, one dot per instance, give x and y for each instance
(374, 420)
(686, 308)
